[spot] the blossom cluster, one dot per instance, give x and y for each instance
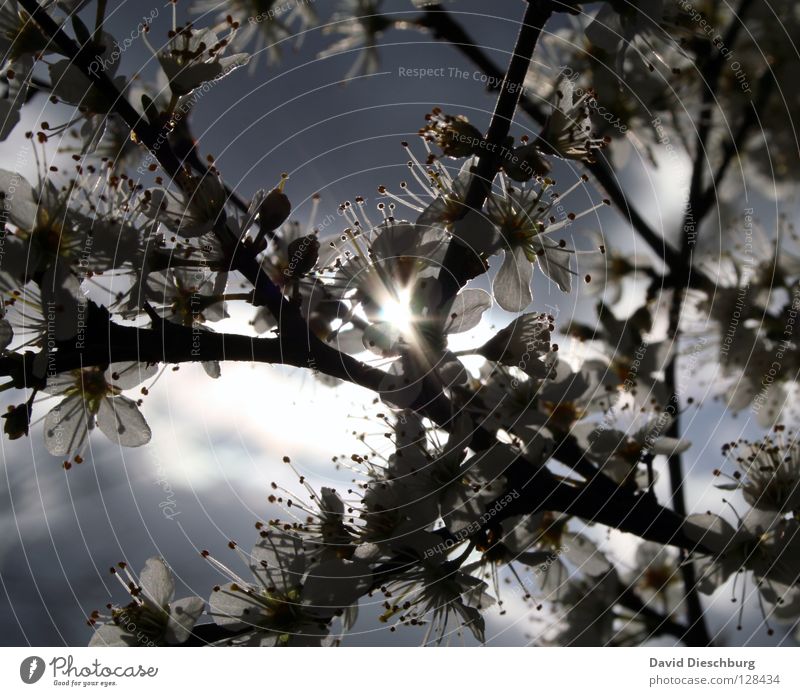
(404, 297)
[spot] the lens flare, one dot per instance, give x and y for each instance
(397, 311)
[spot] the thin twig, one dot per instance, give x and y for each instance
(698, 632)
(764, 90)
(456, 269)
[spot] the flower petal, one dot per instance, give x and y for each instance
(183, 615)
(335, 584)
(62, 295)
(467, 309)
(585, 554)
(512, 284)
(20, 199)
(66, 427)
(712, 531)
(554, 263)
(126, 375)
(156, 582)
(279, 560)
(670, 445)
(121, 421)
(232, 608)
(111, 636)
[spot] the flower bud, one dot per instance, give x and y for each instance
(303, 253)
(275, 209)
(18, 420)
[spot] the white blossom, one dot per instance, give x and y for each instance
(153, 617)
(93, 397)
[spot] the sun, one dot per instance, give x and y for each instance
(396, 310)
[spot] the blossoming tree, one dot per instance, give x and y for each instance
(511, 456)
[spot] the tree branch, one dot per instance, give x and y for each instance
(456, 270)
(693, 215)
(709, 81)
(292, 326)
(598, 500)
(444, 27)
(764, 89)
